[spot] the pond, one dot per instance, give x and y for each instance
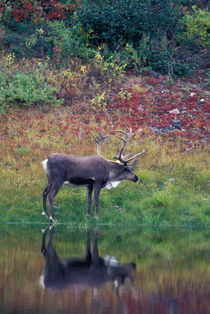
(109, 269)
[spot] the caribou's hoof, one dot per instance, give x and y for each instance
(87, 215)
(44, 214)
(52, 219)
(96, 216)
(44, 230)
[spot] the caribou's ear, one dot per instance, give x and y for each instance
(134, 165)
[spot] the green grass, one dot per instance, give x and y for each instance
(155, 201)
(173, 186)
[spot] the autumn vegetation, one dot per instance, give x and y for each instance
(69, 69)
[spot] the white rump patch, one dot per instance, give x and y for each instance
(41, 281)
(112, 184)
(44, 164)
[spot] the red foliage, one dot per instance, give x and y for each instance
(50, 9)
(71, 7)
(28, 6)
(57, 11)
(165, 113)
(18, 14)
(152, 81)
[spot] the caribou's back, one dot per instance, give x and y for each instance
(76, 167)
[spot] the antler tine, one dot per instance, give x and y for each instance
(122, 149)
(121, 131)
(99, 140)
(135, 156)
(121, 138)
(128, 134)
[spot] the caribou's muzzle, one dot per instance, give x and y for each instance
(135, 179)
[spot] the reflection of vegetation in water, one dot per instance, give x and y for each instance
(142, 245)
(165, 258)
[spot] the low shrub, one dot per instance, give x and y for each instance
(196, 26)
(110, 67)
(119, 22)
(27, 89)
(69, 41)
(165, 36)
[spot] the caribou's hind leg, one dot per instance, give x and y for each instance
(44, 195)
(54, 190)
(89, 198)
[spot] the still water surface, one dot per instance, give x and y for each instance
(104, 270)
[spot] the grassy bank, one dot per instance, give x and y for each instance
(172, 190)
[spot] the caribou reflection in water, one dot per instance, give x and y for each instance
(89, 272)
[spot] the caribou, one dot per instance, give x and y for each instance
(92, 172)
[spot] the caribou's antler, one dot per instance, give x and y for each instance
(125, 140)
(129, 134)
(99, 140)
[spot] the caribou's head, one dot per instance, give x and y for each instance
(121, 172)
(122, 168)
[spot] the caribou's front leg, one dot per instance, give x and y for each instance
(97, 189)
(44, 195)
(89, 198)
